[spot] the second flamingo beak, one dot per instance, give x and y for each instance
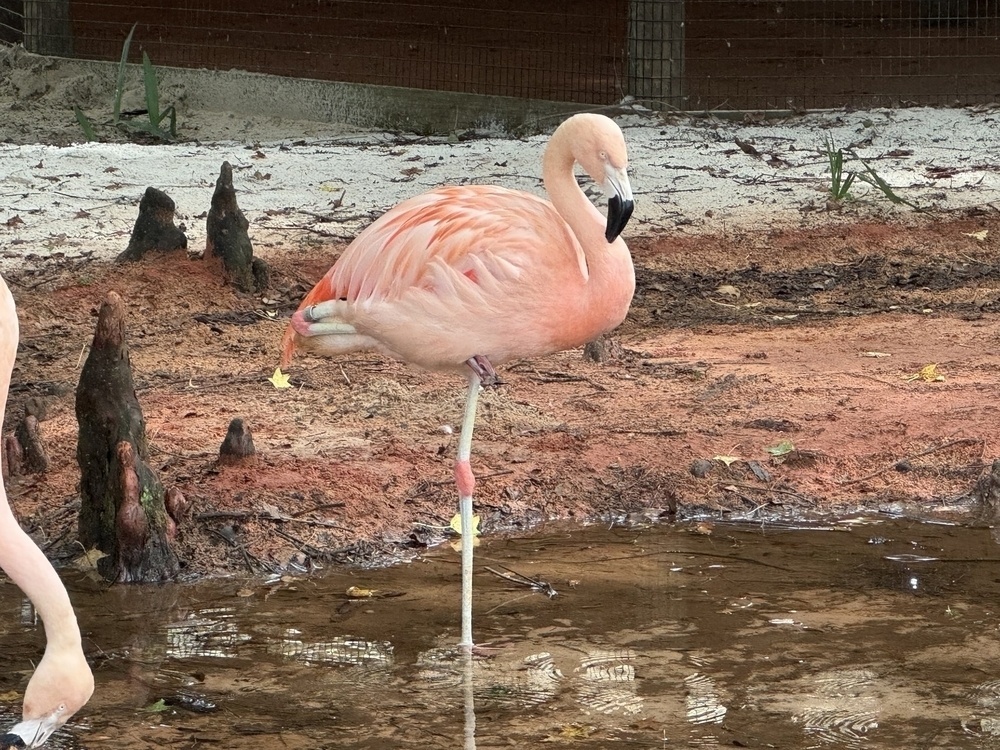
(620, 203)
(32, 732)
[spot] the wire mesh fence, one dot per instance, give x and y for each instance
(691, 55)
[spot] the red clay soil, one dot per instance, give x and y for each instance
(802, 343)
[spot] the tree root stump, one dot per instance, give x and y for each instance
(154, 228)
(228, 243)
(35, 460)
(238, 447)
(24, 451)
(987, 495)
(122, 511)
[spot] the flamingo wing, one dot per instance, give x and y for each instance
(488, 235)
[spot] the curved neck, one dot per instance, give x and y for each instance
(565, 194)
(20, 557)
(31, 571)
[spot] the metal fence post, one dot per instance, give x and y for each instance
(47, 28)
(656, 52)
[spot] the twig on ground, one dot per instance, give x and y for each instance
(934, 449)
(535, 584)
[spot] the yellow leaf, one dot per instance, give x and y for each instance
(88, 560)
(356, 592)
(928, 374)
(279, 379)
(570, 732)
(727, 460)
(456, 525)
(980, 235)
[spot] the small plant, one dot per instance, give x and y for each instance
(840, 184)
(154, 124)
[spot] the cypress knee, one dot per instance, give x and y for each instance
(122, 509)
(228, 241)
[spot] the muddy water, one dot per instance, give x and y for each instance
(874, 633)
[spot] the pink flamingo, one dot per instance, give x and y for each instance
(62, 683)
(466, 278)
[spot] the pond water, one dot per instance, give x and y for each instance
(865, 632)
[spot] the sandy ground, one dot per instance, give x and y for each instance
(770, 365)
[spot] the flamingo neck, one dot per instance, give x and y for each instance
(30, 570)
(565, 194)
(20, 557)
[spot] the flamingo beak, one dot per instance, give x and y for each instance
(31, 733)
(620, 203)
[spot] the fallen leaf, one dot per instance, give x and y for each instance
(728, 290)
(356, 592)
(876, 355)
(928, 374)
(727, 460)
(156, 708)
(279, 379)
(456, 524)
(15, 221)
(980, 235)
(781, 449)
(570, 732)
(88, 560)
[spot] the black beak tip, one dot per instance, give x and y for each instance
(619, 212)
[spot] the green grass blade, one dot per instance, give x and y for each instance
(85, 124)
(846, 186)
(120, 83)
(874, 179)
(152, 92)
(839, 185)
(171, 113)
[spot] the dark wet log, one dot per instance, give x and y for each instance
(34, 458)
(228, 242)
(122, 510)
(238, 445)
(154, 228)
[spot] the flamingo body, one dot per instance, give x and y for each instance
(477, 275)
(461, 271)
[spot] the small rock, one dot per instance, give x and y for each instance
(701, 468)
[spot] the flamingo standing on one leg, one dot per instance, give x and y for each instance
(465, 278)
(62, 683)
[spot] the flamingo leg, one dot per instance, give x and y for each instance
(466, 483)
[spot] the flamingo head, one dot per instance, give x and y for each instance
(599, 147)
(59, 687)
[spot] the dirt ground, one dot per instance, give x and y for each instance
(759, 374)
